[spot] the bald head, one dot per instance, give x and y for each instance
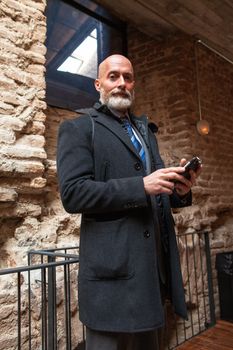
(115, 82)
(114, 61)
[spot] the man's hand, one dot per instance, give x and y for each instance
(167, 179)
(163, 180)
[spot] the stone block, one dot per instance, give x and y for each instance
(10, 98)
(28, 93)
(31, 141)
(15, 167)
(39, 48)
(41, 95)
(22, 11)
(35, 128)
(39, 5)
(23, 185)
(27, 113)
(7, 83)
(20, 76)
(38, 69)
(7, 136)
(38, 182)
(40, 116)
(21, 210)
(39, 33)
(6, 311)
(8, 195)
(40, 104)
(6, 108)
(7, 122)
(218, 244)
(37, 57)
(8, 340)
(23, 152)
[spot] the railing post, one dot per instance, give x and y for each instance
(52, 314)
(67, 306)
(210, 281)
(19, 310)
(29, 305)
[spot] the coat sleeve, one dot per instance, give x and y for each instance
(179, 202)
(80, 193)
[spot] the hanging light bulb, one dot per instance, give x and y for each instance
(202, 125)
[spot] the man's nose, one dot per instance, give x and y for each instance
(121, 81)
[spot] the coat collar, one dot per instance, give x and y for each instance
(105, 117)
(141, 123)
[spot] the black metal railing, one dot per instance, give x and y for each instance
(197, 276)
(50, 320)
(43, 298)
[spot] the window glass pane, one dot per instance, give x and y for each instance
(83, 60)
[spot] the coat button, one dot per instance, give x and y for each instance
(137, 166)
(146, 234)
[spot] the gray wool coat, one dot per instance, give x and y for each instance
(102, 178)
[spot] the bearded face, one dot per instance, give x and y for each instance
(116, 83)
(118, 99)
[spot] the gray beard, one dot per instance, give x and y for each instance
(118, 103)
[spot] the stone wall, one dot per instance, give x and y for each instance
(22, 89)
(31, 216)
(28, 189)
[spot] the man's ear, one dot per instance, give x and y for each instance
(97, 84)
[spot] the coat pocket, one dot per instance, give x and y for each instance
(106, 250)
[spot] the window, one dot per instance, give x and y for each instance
(80, 34)
(83, 60)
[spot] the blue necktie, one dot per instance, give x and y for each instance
(127, 126)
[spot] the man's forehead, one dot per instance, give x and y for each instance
(116, 64)
(117, 67)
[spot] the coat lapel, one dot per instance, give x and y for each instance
(114, 125)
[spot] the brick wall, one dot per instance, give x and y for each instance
(167, 93)
(163, 72)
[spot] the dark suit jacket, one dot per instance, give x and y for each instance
(102, 178)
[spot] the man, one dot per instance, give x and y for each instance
(129, 260)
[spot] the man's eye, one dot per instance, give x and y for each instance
(128, 78)
(112, 77)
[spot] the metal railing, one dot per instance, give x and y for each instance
(49, 317)
(43, 299)
(197, 277)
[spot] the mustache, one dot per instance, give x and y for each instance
(123, 93)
